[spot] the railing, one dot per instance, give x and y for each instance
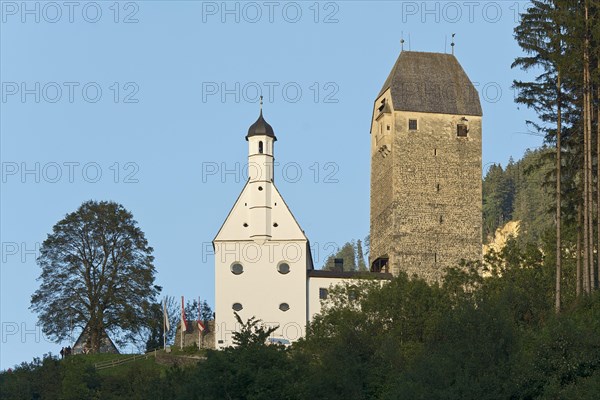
(120, 361)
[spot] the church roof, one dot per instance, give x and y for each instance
(261, 127)
(431, 83)
(106, 343)
(230, 231)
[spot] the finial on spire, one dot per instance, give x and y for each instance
(261, 103)
(402, 41)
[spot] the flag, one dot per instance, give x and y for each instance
(166, 316)
(201, 326)
(183, 321)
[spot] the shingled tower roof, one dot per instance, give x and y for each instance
(431, 83)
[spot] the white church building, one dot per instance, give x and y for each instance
(263, 262)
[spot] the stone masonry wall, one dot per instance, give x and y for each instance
(432, 218)
(382, 191)
(190, 338)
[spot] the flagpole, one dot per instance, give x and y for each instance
(164, 326)
(181, 325)
(182, 320)
(199, 318)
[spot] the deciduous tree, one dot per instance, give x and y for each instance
(97, 270)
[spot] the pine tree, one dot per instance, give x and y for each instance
(360, 257)
(560, 38)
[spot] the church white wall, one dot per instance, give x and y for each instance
(260, 288)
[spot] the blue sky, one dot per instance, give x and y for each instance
(147, 103)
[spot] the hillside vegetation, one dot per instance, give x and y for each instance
(520, 192)
(468, 338)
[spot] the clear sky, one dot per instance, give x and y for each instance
(147, 103)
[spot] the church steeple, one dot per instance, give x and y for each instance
(261, 252)
(261, 138)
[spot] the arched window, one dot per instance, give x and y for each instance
(260, 147)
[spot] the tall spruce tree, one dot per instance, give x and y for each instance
(540, 35)
(560, 38)
(360, 257)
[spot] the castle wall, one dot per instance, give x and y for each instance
(382, 185)
(314, 287)
(432, 217)
(193, 336)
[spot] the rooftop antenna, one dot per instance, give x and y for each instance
(452, 44)
(409, 42)
(402, 41)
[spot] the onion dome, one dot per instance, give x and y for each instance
(261, 127)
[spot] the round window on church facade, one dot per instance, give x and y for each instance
(237, 307)
(283, 268)
(284, 307)
(237, 268)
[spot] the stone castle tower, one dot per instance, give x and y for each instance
(425, 168)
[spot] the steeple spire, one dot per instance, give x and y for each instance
(261, 127)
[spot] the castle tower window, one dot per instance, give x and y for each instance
(461, 130)
(388, 128)
(380, 265)
(323, 293)
(283, 268)
(237, 268)
(284, 307)
(237, 307)
(260, 147)
(412, 124)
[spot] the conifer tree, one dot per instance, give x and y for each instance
(556, 36)
(360, 257)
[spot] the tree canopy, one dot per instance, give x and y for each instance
(353, 255)
(97, 270)
(467, 338)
